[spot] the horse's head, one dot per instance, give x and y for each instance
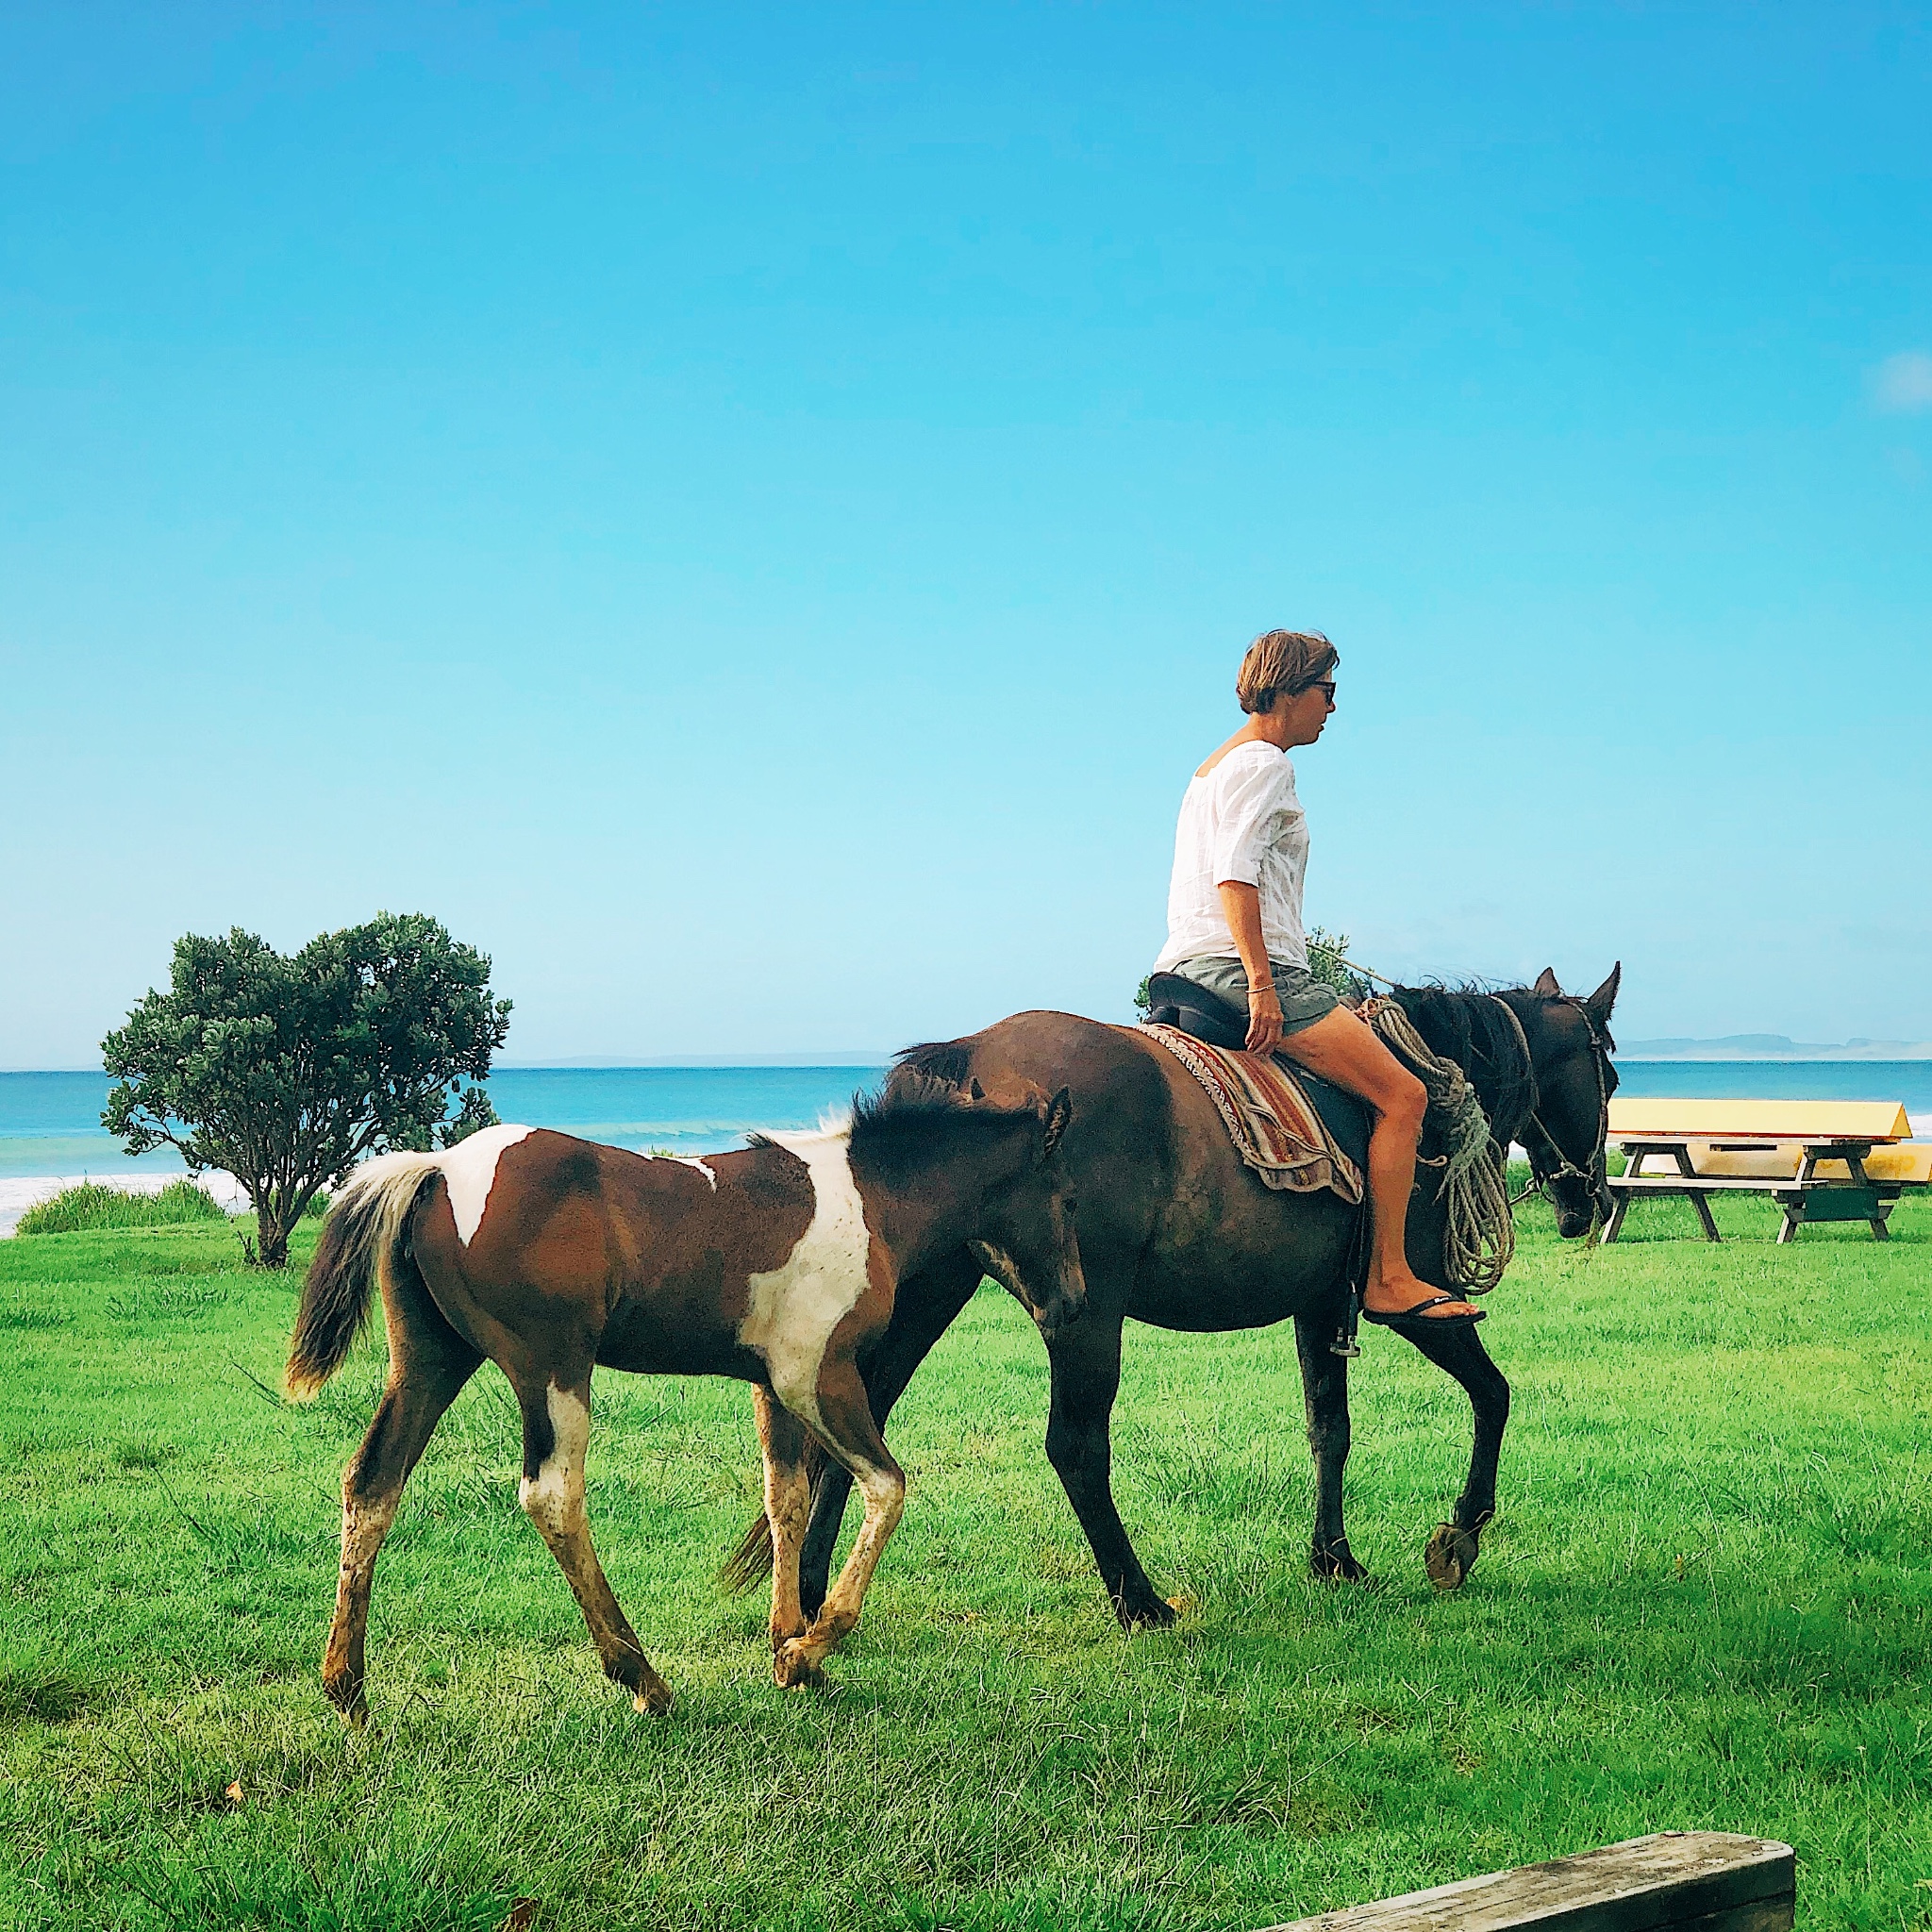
(987, 1172)
(1570, 1048)
(1026, 1237)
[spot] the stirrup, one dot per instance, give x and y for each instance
(1346, 1343)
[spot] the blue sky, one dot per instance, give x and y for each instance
(750, 515)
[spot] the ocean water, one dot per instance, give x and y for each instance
(50, 1123)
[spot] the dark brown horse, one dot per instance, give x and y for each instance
(1175, 1231)
(779, 1265)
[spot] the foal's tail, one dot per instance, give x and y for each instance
(361, 1245)
(750, 1564)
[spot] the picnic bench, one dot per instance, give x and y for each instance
(1817, 1160)
(1670, 1881)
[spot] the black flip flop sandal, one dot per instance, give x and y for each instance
(1418, 1316)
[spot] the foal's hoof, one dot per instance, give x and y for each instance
(346, 1693)
(1451, 1556)
(794, 1668)
(1335, 1563)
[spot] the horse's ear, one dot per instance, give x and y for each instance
(974, 1090)
(1599, 1004)
(1059, 1110)
(1546, 983)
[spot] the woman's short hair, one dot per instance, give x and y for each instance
(1283, 660)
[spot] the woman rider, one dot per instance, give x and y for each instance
(1234, 926)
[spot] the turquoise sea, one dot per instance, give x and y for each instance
(50, 1123)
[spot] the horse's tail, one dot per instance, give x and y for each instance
(362, 1244)
(750, 1564)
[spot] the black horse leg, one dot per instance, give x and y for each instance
(1324, 1392)
(1458, 1351)
(1085, 1359)
(925, 1306)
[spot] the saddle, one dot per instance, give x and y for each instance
(1206, 1016)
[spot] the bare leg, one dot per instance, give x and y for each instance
(846, 1425)
(557, 1435)
(1342, 1048)
(429, 1363)
(787, 1508)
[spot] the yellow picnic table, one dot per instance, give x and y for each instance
(1819, 1159)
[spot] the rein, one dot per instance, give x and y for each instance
(1565, 1168)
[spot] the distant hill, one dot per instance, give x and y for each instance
(1772, 1047)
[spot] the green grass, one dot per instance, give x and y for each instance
(87, 1206)
(1707, 1604)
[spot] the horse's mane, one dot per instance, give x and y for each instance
(947, 1061)
(918, 1111)
(1469, 1024)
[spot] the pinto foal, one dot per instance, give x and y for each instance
(777, 1264)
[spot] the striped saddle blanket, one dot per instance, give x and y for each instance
(1274, 1123)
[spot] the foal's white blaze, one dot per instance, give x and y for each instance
(692, 1160)
(469, 1171)
(795, 1306)
(556, 1491)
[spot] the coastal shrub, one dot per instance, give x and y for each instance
(1327, 962)
(89, 1206)
(286, 1069)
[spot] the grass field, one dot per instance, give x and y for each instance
(1708, 1602)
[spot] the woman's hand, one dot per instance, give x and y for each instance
(1264, 1017)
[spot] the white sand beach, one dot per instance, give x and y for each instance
(21, 1191)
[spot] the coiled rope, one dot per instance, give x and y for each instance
(1480, 1237)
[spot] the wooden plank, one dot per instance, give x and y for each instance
(1634, 1118)
(1701, 1183)
(1907, 1164)
(1840, 1203)
(1714, 1881)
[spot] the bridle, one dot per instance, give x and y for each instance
(1601, 1046)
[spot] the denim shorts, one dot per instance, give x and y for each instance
(1304, 998)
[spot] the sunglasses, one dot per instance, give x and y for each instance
(1324, 684)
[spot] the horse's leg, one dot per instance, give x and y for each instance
(557, 1435)
(429, 1363)
(845, 1424)
(1324, 1395)
(1086, 1362)
(1458, 1351)
(788, 1504)
(927, 1305)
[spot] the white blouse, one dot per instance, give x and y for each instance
(1242, 821)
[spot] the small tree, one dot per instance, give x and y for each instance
(287, 1070)
(1327, 962)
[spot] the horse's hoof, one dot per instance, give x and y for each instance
(1336, 1563)
(1450, 1556)
(651, 1699)
(794, 1669)
(1145, 1612)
